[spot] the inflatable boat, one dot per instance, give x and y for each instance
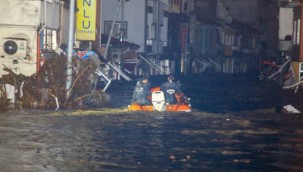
(158, 103)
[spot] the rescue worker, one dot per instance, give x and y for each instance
(142, 92)
(170, 88)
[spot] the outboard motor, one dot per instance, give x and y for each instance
(158, 100)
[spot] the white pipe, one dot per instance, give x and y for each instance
(280, 69)
(21, 89)
(44, 24)
(61, 20)
(122, 22)
(293, 85)
(44, 11)
(98, 72)
(158, 27)
(69, 70)
(57, 103)
(100, 24)
(152, 64)
(204, 64)
(119, 71)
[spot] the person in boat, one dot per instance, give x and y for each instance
(170, 89)
(142, 92)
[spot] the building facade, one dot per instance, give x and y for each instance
(26, 27)
(261, 14)
(142, 22)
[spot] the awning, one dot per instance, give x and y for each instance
(244, 28)
(116, 43)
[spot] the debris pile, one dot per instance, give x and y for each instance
(4, 101)
(47, 88)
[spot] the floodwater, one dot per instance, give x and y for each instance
(233, 127)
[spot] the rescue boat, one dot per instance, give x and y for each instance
(158, 103)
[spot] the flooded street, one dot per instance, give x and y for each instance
(233, 127)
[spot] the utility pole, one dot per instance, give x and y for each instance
(112, 29)
(69, 70)
(122, 29)
(158, 28)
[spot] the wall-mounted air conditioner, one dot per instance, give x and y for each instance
(13, 48)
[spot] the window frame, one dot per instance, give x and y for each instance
(116, 32)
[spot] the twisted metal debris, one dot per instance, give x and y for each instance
(46, 88)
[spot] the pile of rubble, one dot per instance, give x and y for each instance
(47, 88)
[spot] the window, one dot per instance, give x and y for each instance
(149, 42)
(298, 31)
(295, 33)
(151, 31)
(119, 31)
(237, 40)
(253, 43)
(150, 3)
(49, 39)
(222, 38)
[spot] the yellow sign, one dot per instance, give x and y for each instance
(86, 20)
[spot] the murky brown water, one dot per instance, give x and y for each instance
(237, 131)
(124, 141)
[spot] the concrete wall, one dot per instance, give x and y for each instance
(162, 20)
(65, 26)
(17, 12)
(30, 13)
(20, 21)
(134, 14)
(246, 11)
(258, 13)
(52, 17)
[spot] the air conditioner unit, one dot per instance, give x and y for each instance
(13, 48)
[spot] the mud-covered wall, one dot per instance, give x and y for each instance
(30, 13)
(19, 64)
(23, 20)
(17, 12)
